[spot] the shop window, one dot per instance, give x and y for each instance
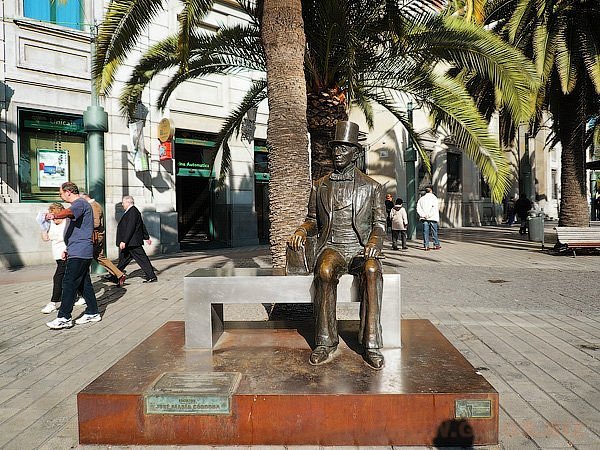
(261, 189)
(51, 151)
(485, 189)
(454, 178)
(261, 161)
(66, 13)
(423, 176)
(195, 154)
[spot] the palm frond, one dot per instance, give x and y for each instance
(451, 105)
(255, 95)
(158, 58)
(469, 46)
(520, 19)
(363, 101)
(391, 105)
(565, 63)
(544, 51)
(117, 36)
(230, 50)
(590, 48)
(189, 18)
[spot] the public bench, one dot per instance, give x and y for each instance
(578, 237)
(205, 291)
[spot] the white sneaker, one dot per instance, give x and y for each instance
(49, 308)
(80, 302)
(87, 318)
(60, 322)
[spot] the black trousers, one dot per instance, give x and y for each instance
(402, 235)
(59, 274)
(139, 255)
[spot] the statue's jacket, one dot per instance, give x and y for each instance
(368, 211)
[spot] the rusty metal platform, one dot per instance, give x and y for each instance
(419, 398)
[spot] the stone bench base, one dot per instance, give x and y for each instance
(206, 290)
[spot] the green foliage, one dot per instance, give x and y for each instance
(370, 50)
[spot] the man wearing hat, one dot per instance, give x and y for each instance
(346, 213)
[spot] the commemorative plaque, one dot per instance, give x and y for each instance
(192, 393)
(473, 409)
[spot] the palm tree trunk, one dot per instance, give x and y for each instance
(571, 130)
(287, 137)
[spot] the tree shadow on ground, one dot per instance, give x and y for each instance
(112, 294)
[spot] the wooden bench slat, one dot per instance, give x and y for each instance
(578, 237)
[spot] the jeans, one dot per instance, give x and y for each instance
(57, 281)
(430, 226)
(77, 273)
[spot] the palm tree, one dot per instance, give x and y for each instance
(357, 52)
(563, 40)
(360, 51)
(283, 41)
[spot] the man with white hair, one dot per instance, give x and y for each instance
(131, 233)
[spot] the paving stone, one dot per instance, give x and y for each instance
(477, 290)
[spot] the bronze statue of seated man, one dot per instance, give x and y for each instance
(346, 214)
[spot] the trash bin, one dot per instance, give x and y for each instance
(535, 224)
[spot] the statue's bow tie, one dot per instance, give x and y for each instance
(348, 176)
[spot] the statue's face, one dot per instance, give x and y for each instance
(343, 155)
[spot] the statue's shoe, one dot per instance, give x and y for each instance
(374, 358)
(321, 354)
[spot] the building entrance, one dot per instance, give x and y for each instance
(193, 209)
(194, 156)
(261, 190)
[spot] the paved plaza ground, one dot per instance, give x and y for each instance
(527, 319)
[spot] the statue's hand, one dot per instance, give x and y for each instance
(297, 240)
(371, 251)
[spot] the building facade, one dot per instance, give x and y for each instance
(463, 193)
(45, 89)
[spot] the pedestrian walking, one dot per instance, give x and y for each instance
(399, 220)
(98, 241)
(56, 236)
(389, 204)
(522, 208)
(429, 214)
(131, 234)
(78, 254)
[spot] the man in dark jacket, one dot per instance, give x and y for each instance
(522, 207)
(131, 234)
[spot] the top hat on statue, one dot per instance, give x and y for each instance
(346, 133)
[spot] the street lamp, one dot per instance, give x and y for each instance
(410, 158)
(95, 123)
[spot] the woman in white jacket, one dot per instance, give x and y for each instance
(399, 221)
